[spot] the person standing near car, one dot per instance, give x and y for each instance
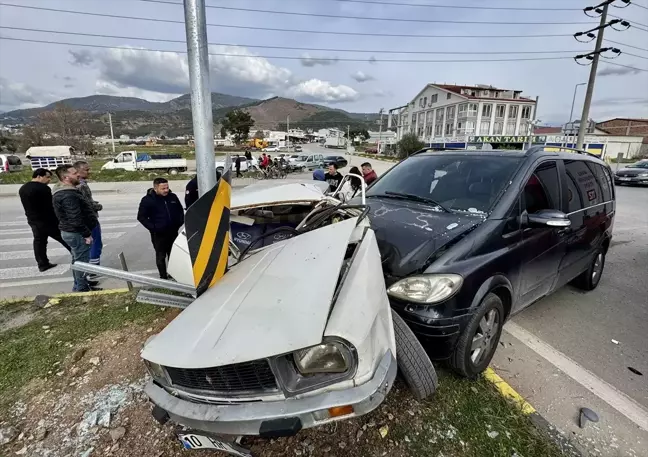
(237, 166)
(368, 173)
(160, 211)
(76, 219)
(36, 198)
(83, 169)
(248, 159)
(191, 192)
(333, 177)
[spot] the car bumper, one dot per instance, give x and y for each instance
(276, 418)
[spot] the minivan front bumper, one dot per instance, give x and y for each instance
(276, 418)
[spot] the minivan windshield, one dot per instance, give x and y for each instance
(455, 182)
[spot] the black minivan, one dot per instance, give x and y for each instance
(469, 238)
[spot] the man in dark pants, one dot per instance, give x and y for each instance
(237, 165)
(160, 211)
(191, 192)
(36, 198)
(83, 169)
(76, 219)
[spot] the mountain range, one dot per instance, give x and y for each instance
(136, 116)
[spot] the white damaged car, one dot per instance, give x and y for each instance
(298, 333)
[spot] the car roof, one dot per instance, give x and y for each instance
(536, 151)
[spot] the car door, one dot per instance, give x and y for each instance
(543, 247)
(589, 207)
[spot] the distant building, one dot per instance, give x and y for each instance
(622, 126)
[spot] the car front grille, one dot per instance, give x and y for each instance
(239, 378)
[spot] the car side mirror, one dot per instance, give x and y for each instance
(115, 160)
(547, 218)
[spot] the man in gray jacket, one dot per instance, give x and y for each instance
(83, 170)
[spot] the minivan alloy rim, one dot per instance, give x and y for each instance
(485, 336)
(598, 266)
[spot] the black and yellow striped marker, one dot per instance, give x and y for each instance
(207, 225)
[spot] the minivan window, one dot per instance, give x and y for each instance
(604, 180)
(586, 183)
(541, 190)
(458, 182)
(14, 160)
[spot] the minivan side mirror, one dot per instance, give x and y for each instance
(548, 218)
(115, 160)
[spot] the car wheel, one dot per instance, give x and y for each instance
(414, 364)
(478, 342)
(590, 278)
(173, 171)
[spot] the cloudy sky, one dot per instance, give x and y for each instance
(325, 68)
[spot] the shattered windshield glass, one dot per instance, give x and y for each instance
(458, 183)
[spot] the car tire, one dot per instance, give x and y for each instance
(173, 171)
(414, 364)
(487, 321)
(590, 278)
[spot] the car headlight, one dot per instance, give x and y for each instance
(426, 289)
(156, 371)
(330, 357)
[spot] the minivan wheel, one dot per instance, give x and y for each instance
(590, 278)
(478, 342)
(414, 365)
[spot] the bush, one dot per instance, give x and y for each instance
(408, 145)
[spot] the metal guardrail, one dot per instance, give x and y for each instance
(165, 300)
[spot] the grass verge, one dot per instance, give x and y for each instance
(32, 350)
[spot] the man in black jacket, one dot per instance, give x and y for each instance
(191, 192)
(36, 198)
(76, 221)
(160, 211)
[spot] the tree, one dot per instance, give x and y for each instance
(238, 123)
(64, 126)
(258, 135)
(408, 145)
(362, 133)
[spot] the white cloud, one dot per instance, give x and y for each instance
(20, 96)
(361, 77)
(309, 61)
(318, 90)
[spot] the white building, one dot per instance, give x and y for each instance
(442, 113)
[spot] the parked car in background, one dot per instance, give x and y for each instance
(636, 173)
(10, 163)
(469, 238)
(339, 161)
(309, 162)
(271, 149)
(220, 165)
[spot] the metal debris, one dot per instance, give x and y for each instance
(586, 415)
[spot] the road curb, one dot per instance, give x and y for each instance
(67, 295)
(505, 389)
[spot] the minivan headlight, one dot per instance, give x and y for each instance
(426, 289)
(330, 357)
(156, 371)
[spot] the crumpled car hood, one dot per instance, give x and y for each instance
(273, 302)
(409, 234)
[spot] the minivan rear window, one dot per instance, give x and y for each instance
(14, 160)
(458, 182)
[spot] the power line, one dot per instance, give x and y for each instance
(617, 17)
(332, 59)
(627, 45)
(367, 18)
(292, 48)
(635, 55)
(640, 6)
(283, 30)
(467, 7)
(625, 66)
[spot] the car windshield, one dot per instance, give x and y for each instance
(456, 182)
(303, 158)
(640, 164)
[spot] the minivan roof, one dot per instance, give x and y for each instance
(554, 151)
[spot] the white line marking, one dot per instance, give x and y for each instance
(103, 227)
(27, 272)
(30, 240)
(23, 222)
(69, 278)
(606, 392)
(15, 255)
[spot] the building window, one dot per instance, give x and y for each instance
(487, 110)
(524, 127)
(472, 109)
(434, 98)
(498, 128)
(448, 96)
(424, 101)
(414, 118)
(526, 112)
(428, 131)
(513, 111)
(470, 127)
(450, 112)
(510, 128)
(500, 110)
(448, 128)
(439, 116)
(428, 117)
(437, 129)
(462, 109)
(484, 128)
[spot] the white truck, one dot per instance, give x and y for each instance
(49, 157)
(134, 161)
(335, 141)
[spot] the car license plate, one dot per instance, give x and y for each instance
(624, 179)
(193, 441)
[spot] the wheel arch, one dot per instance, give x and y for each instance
(500, 286)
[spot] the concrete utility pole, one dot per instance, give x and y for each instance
(201, 106)
(112, 136)
(592, 78)
(288, 131)
(380, 130)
